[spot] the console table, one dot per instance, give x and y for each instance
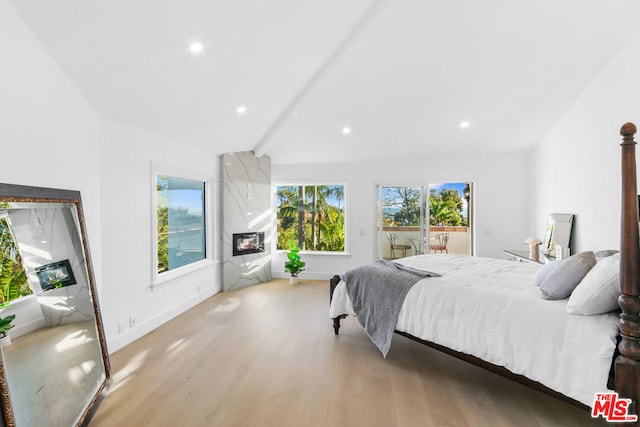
(523, 256)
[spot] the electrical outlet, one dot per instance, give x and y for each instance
(121, 327)
(132, 321)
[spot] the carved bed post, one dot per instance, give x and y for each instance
(627, 367)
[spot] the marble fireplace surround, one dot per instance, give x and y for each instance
(246, 208)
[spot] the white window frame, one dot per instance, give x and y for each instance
(170, 276)
(274, 190)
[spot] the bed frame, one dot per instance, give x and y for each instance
(626, 372)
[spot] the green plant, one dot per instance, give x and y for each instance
(294, 265)
(13, 278)
(6, 323)
(56, 283)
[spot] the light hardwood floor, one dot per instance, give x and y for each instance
(267, 356)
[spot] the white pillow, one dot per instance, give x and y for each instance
(599, 290)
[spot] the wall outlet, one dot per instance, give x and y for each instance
(121, 327)
(132, 321)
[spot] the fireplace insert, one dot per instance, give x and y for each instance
(248, 243)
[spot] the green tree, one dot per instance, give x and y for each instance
(326, 221)
(406, 201)
(445, 207)
(288, 217)
(163, 239)
(332, 229)
(311, 216)
(163, 223)
(13, 278)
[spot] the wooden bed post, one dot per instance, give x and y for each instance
(627, 366)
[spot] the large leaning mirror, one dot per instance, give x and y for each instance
(54, 360)
(558, 233)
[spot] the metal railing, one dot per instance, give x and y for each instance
(459, 239)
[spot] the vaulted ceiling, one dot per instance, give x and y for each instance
(400, 74)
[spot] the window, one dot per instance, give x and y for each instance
(180, 230)
(312, 216)
(13, 278)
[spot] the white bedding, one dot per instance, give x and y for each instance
(491, 309)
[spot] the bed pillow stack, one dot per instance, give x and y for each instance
(598, 292)
(558, 279)
(590, 281)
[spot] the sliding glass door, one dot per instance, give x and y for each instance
(401, 221)
(420, 219)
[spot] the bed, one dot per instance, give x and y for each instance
(490, 312)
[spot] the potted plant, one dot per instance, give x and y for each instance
(6, 323)
(294, 265)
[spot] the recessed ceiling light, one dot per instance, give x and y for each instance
(196, 48)
(241, 110)
(464, 124)
(346, 130)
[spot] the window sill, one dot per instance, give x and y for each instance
(172, 276)
(27, 299)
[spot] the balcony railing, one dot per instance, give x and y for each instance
(459, 239)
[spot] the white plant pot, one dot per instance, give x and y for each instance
(5, 341)
(293, 280)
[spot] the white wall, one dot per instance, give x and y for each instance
(48, 132)
(501, 184)
(127, 155)
(576, 168)
(52, 137)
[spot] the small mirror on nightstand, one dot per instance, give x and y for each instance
(558, 233)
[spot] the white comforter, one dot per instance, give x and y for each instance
(491, 309)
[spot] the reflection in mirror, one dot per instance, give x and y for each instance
(558, 233)
(56, 364)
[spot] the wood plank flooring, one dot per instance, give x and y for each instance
(267, 356)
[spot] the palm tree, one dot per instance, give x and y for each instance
(320, 208)
(302, 212)
(290, 207)
(13, 278)
(332, 229)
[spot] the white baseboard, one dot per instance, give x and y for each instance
(308, 276)
(20, 330)
(116, 343)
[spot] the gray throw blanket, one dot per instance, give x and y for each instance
(377, 293)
